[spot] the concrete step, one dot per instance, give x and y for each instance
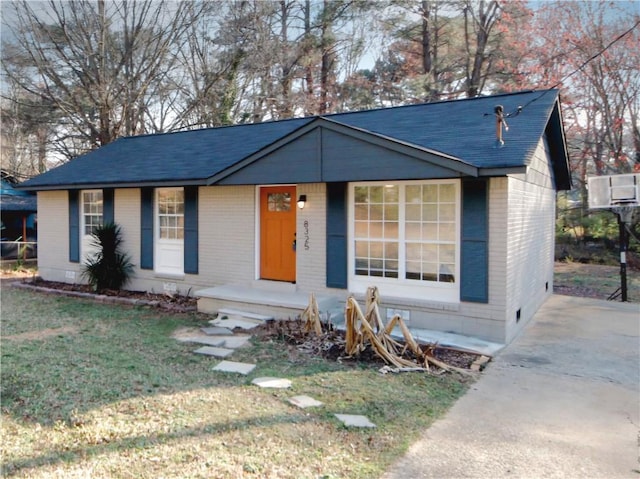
(243, 314)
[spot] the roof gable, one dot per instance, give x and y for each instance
(324, 151)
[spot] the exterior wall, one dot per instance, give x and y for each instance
(530, 250)
(53, 238)
(226, 216)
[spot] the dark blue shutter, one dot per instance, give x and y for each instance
(146, 228)
(108, 215)
(74, 226)
(337, 235)
(474, 270)
(191, 229)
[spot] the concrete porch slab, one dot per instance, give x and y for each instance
(260, 301)
(354, 420)
(243, 314)
(234, 367)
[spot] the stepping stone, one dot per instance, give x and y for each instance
(234, 367)
(304, 402)
(211, 351)
(243, 314)
(233, 323)
(203, 340)
(354, 420)
(235, 342)
(278, 383)
(217, 331)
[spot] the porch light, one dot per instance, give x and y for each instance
(302, 199)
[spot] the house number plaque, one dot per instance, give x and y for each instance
(306, 235)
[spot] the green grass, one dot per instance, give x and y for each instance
(104, 391)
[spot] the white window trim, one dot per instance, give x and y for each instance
(160, 243)
(87, 249)
(400, 287)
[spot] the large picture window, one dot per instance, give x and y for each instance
(404, 235)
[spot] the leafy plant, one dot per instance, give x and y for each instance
(110, 267)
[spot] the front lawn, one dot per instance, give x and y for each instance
(95, 390)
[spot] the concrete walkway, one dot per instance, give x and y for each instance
(561, 401)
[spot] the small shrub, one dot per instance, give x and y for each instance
(110, 267)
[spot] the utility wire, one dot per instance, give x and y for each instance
(518, 110)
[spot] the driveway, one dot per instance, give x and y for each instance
(561, 401)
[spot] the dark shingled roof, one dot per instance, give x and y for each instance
(464, 129)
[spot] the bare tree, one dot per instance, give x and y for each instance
(100, 64)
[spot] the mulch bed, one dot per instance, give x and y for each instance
(331, 345)
(176, 302)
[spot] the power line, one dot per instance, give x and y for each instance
(518, 110)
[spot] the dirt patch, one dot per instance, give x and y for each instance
(42, 334)
(186, 332)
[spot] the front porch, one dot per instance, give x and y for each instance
(272, 300)
(264, 300)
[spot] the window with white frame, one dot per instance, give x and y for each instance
(405, 236)
(169, 244)
(91, 211)
(90, 219)
(171, 213)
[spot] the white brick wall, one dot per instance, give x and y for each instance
(53, 238)
(531, 230)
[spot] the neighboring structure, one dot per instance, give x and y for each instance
(456, 232)
(18, 226)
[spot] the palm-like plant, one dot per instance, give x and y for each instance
(110, 267)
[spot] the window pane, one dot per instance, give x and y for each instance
(447, 193)
(375, 212)
(375, 229)
(390, 230)
(391, 194)
(412, 231)
(361, 194)
(375, 249)
(362, 229)
(391, 212)
(279, 202)
(447, 232)
(362, 249)
(413, 194)
(429, 231)
(430, 253)
(447, 254)
(430, 193)
(391, 251)
(362, 212)
(412, 213)
(413, 251)
(375, 194)
(430, 212)
(447, 212)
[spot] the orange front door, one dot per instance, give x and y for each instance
(278, 233)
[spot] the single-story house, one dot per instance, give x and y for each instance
(17, 220)
(456, 231)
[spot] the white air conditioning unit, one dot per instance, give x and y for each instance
(614, 190)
